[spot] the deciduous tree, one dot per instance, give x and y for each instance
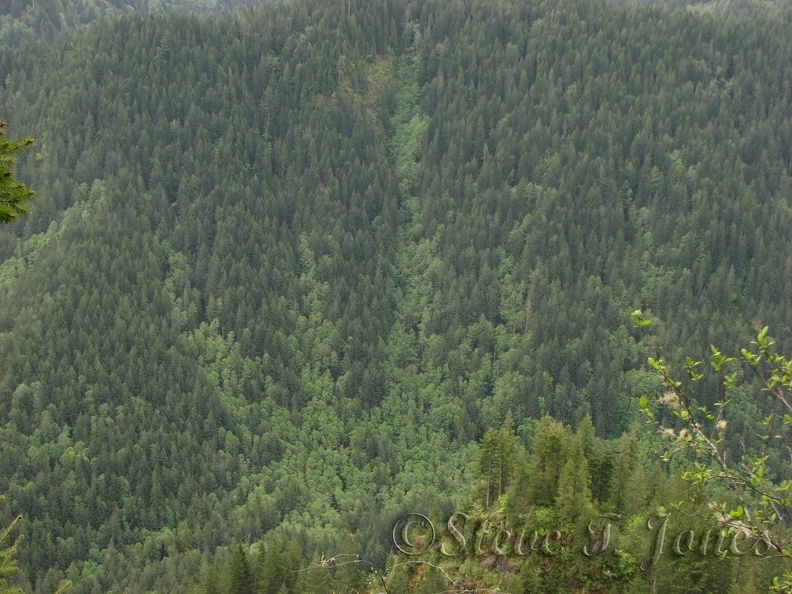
(761, 501)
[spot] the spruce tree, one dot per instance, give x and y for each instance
(349, 575)
(548, 457)
(13, 195)
(629, 479)
(574, 492)
(212, 580)
(496, 460)
(241, 576)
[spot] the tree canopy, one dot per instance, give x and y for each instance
(288, 266)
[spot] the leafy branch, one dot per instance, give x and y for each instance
(763, 511)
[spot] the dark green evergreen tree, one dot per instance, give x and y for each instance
(242, 581)
(496, 460)
(549, 455)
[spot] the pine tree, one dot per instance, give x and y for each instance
(397, 580)
(488, 462)
(279, 565)
(432, 582)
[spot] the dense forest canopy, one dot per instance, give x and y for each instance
(287, 266)
(28, 21)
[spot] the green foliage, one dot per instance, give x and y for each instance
(13, 194)
(756, 498)
(287, 266)
(8, 564)
(279, 565)
(549, 455)
(27, 21)
(496, 460)
(242, 581)
(629, 490)
(349, 575)
(315, 577)
(574, 492)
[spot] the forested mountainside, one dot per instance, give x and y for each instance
(28, 21)
(286, 267)
(726, 7)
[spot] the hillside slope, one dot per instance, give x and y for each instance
(286, 267)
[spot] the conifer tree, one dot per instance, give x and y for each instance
(432, 582)
(574, 492)
(212, 580)
(279, 565)
(397, 581)
(548, 457)
(13, 194)
(7, 562)
(315, 578)
(629, 479)
(349, 575)
(241, 576)
(496, 460)
(488, 462)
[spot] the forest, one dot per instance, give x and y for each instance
(293, 272)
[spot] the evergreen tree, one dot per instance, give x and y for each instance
(316, 577)
(349, 576)
(265, 284)
(241, 576)
(574, 493)
(279, 565)
(7, 551)
(628, 493)
(212, 583)
(496, 460)
(431, 581)
(548, 459)
(13, 194)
